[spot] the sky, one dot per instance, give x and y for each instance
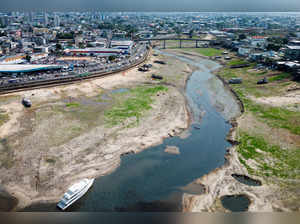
(153, 5)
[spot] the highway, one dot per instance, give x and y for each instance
(95, 70)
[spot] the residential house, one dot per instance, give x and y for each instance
(292, 52)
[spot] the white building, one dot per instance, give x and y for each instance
(244, 51)
(103, 52)
(125, 45)
(258, 41)
(56, 20)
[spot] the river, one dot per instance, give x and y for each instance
(154, 180)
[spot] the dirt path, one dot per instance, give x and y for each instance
(278, 101)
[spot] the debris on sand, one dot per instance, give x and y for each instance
(156, 76)
(172, 150)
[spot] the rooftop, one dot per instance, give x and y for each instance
(293, 47)
(93, 50)
(26, 68)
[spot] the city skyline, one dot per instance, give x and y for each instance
(155, 5)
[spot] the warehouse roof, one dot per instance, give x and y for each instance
(26, 68)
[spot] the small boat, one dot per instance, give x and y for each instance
(26, 102)
(75, 192)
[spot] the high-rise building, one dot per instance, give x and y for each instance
(56, 20)
(5, 20)
(45, 18)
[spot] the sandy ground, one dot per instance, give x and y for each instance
(209, 37)
(41, 171)
(278, 101)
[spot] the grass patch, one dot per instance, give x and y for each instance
(279, 77)
(72, 104)
(271, 160)
(3, 118)
(237, 62)
(209, 52)
(139, 100)
(276, 117)
(281, 163)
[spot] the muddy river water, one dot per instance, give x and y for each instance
(154, 180)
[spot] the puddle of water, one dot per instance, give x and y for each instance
(236, 203)
(7, 202)
(246, 180)
(121, 90)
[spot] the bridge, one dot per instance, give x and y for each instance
(180, 40)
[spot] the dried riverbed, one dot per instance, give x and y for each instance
(65, 135)
(154, 180)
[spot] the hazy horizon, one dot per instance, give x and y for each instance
(154, 5)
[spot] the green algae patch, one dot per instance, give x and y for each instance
(132, 104)
(271, 160)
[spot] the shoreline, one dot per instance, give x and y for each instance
(204, 202)
(219, 182)
(188, 200)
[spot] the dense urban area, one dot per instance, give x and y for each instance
(145, 55)
(62, 39)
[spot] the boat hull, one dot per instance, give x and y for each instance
(63, 205)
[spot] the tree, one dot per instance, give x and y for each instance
(81, 45)
(58, 47)
(191, 33)
(242, 36)
(28, 57)
(112, 57)
(177, 31)
(273, 47)
(65, 35)
(291, 34)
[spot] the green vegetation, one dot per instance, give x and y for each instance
(72, 104)
(279, 77)
(237, 62)
(209, 52)
(280, 163)
(256, 153)
(3, 118)
(250, 78)
(138, 101)
(65, 35)
(276, 117)
(84, 74)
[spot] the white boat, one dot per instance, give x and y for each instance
(75, 192)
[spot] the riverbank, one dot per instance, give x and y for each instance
(74, 129)
(252, 154)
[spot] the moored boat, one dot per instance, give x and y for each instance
(75, 192)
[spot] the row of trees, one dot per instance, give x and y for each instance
(70, 35)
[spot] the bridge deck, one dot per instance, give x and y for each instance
(156, 39)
